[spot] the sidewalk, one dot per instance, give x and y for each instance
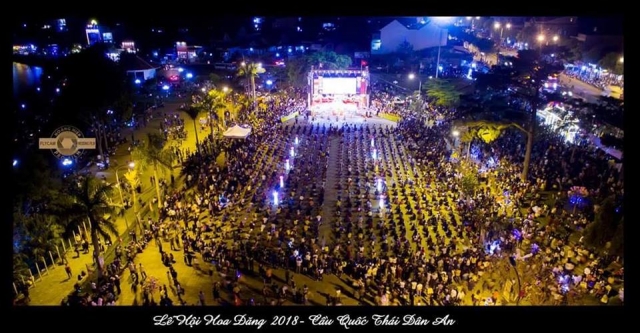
(55, 284)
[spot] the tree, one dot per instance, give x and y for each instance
(194, 113)
(443, 92)
(522, 81)
(528, 34)
(298, 68)
(250, 72)
(36, 234)
(611, 61)
(152, 154)
(469, 182)
(607, 223)
(216, 102)
(89, 201)
(133, 178)
(594, 54)
(329, 60)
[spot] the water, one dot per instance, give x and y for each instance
(25, 78)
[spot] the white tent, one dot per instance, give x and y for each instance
(237, 132)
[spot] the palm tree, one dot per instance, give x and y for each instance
(216, 105)
(250, 71)
(132, 177)
(152, 153)
(194, 112)
(89, 200)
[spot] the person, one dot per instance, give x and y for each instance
(67, 269)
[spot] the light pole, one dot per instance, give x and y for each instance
(473, 20)
(497, 26)
(443, 20)
(412, 77)
(513, 263)
(130, 166)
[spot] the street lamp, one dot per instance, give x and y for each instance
(556, 38)
(621, 60)
(497, 26)
(131, 166)
(225, 89)
(412, 77)
(443, 20)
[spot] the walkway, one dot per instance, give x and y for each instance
(55, 285)
(330, 190)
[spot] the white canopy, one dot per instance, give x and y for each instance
(237, 132)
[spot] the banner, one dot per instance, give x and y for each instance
(289, 117)
(391, 117)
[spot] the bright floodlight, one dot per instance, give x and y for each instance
(469, 17)
(269, 82)
(508, 25)
(138, 81)
(180, 69)
(165, 87)
(203, 89)
(243, 64)
(621, 60)
(225, 89)
(555, 38)
(15, 162)
(540, 38)
(132, 165)
(412, 76)
(67, 162)
(455, 133)
(496, 25)
(57, 90)
(189, 75)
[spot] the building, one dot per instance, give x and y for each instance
(565, 26)
(421, 36)
(128, 46)
(605, 42)
(139, 69)
(187, 53)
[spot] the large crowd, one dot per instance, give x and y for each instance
(381, 214)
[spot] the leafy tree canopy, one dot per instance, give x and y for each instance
(611, 61)
(442, 92)
(298, 68)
